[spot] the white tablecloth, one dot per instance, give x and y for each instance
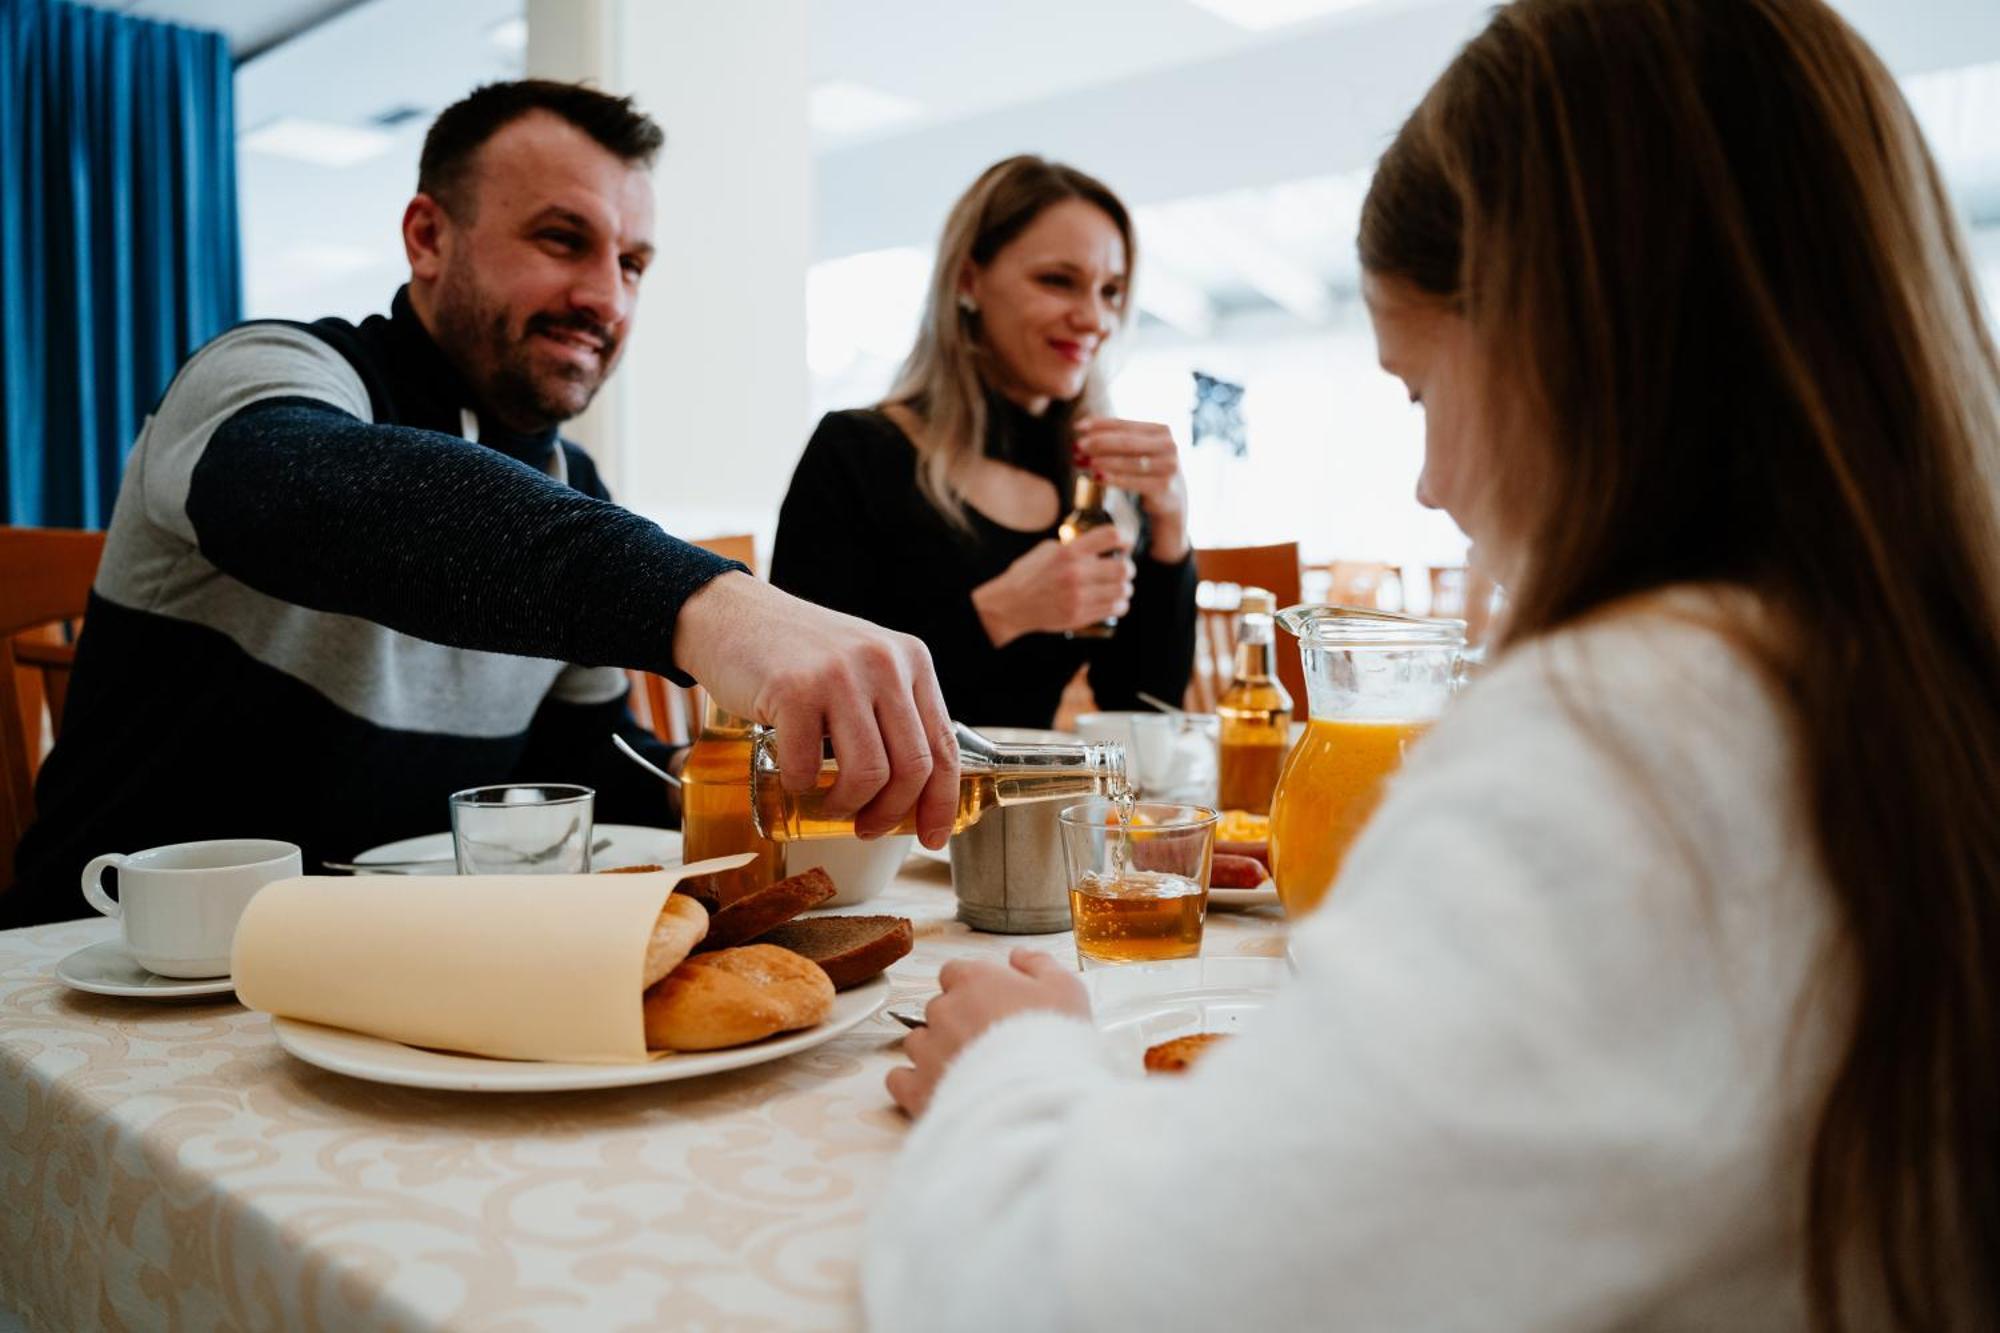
(164, 1165)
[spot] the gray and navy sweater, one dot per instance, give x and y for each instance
(331, 595)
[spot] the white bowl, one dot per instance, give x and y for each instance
(860, 870)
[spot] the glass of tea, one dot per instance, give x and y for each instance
(1138, 879)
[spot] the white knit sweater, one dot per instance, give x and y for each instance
(1550, 1062)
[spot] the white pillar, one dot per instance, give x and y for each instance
(703, 421)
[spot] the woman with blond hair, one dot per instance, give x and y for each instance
(1661, 991)
(936, 512)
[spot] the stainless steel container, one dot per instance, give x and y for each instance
(1008, 871)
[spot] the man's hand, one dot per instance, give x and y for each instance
(975, 997)
(812, 673)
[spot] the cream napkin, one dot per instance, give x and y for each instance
(523, 967)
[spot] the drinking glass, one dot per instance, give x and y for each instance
(1138, 887)
(530, 828)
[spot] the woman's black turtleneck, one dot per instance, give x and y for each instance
(857, 534)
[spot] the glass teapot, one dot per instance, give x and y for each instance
(1375, 681)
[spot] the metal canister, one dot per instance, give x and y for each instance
(1008, 871)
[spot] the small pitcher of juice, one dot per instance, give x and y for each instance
(1375, 681)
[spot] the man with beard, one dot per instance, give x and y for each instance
(353, 568)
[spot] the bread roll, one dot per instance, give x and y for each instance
(681, 924)
(733, 996)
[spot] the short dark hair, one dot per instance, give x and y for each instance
(463, 127)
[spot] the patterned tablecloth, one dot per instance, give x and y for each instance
(163, 1165)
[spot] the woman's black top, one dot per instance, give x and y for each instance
(857, 534)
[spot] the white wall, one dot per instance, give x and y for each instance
(703, 420)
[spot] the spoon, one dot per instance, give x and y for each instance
(625, 749)
(1161, 704)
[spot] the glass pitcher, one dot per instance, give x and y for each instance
(1375, 681)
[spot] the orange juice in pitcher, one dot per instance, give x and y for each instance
(1374, 683)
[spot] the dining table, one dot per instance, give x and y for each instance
(166, 1165)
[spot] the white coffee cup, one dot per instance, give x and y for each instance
(178, 905)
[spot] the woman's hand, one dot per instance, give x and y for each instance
(1141, 457)
(1058, 586)
(974, 997)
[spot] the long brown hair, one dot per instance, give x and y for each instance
(1703, 248)
(944, 380)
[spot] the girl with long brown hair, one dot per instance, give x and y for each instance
(1660, 992)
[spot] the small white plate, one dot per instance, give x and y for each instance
(382, 1061)
(631, 845)
(106, 969)
(1137, 1005)
(1027, 736)
(1264, 895)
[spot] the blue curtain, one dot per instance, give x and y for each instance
(118, 241)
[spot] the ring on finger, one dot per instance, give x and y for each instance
(1145, 463)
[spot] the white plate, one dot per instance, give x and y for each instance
(631, 845)
(106, 969)
(383, 1061)
(1027, 736)
(1137, 1005)
(1265, 894)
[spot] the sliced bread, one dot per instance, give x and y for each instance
(751, 915)
(850, 949)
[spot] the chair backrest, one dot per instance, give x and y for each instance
(1369, 583)
(1224, 572)
(45, 578)
(667, 710)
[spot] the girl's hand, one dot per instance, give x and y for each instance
(974, 997)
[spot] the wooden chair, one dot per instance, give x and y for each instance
(1367, 583)
(45, 577)
(670, 712)
(1224, 572)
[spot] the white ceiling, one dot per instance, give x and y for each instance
(1245, 152)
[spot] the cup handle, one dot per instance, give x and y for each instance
(93, 883)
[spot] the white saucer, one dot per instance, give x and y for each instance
(1137, 1005)
(383, 1061)
(1264, 895)
(106, 969)
(631, 845)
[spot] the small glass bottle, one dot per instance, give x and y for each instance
(715, 805)
(1086, 514)
(1256, 713)
(989, 775)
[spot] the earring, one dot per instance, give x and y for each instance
(967, 304)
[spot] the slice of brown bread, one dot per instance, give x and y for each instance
(751, 915)
(701, 888)
(850, 949)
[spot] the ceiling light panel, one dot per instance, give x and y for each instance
(318, 142)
